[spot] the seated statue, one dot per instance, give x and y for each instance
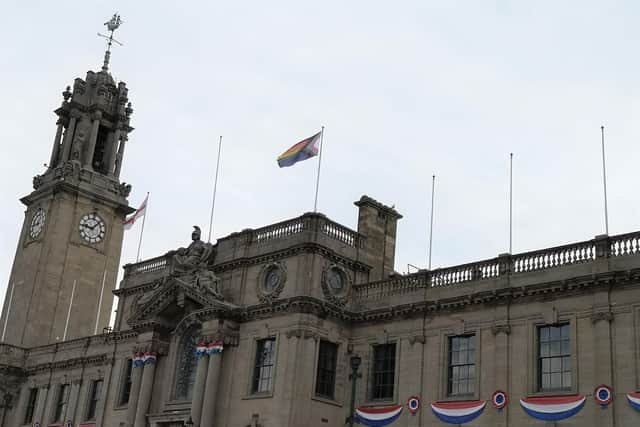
(197, 254)
(208, 282)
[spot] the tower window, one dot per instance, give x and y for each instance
(384, 368)
(100, 155)
(326, 374)
(31, 406)
(264, 366)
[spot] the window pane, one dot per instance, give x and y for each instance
(566, 380)
(556, 381)
(544, 349)
(554, 348)
(546, 366)
(383, 375)
(461, 367)
(565, 347)
(556, 364)
(327, 361)
(263, 368)
(554, 333)
(544, 334)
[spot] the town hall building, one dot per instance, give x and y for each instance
(300, 323)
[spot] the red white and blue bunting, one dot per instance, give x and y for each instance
(458, 412)
(499, 399)
(201, 349)
(603, 395)
(634, 400)
(150, 357)
(138, 359)
(553, 408)
(413, 404)
(215, 347)
(378, 417)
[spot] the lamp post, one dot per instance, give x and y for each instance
(355, 364)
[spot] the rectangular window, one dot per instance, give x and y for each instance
(384, 367)
(264, 366)
(60, 410)
(554, 358)
(94, 398)
(326, 374)
(462, 365)
(31, 406)
(126, 383)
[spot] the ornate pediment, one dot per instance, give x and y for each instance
(174, 296)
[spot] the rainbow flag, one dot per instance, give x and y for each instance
(303, 150)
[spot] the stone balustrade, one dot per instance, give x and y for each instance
(517, 264)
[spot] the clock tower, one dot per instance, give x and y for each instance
(68, 253)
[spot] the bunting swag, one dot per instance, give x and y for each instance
(634, 400)
(378, 417)
(553, 408)
(458, 412)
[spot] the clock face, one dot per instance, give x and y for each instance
(37, 223)
(92, 228)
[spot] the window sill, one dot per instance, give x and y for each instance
(550, 393)
(265, 395)
(327, 400)
(460, 398)
(381, 402)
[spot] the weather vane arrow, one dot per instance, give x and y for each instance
(112, 25)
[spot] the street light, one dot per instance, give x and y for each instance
(188, 423)
(355, 364)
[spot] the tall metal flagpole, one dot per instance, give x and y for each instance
(433, 189)
(6, 319)
(315, 203)
(104, 278)
(604, 181)
(66, 324)
(144, 218)
(511, 203)
(215, 188)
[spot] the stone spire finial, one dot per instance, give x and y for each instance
(112, 25)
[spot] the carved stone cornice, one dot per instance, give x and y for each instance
(78, 362)
(417, 339)
(601, 315)
(301, 332)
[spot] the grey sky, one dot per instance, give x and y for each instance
(405, 89)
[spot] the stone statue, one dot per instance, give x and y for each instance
(208, 282)
(197, 254)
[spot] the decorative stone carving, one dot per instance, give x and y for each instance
(417, 338)
(80, 138)
(336, 284)
(206, 281)
(195, 255)
(123, 189)
(271, 281)
(37, 182)
(601, 315)
(501, 328)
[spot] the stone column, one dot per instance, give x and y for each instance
(602, 348)
(501, 331)
(91, 148)
(41, 404)
(198, 389)
(134, 394)
(211, 391)
(56, 144)
(74, 393)
(112, 151)
(119, 157)
(68, 137)
(145, 393)
(21, 406)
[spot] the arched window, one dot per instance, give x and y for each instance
(186, 368)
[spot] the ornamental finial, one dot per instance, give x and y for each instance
(112, 25)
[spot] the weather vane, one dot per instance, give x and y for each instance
(112, 25)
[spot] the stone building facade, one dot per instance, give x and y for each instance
(261, 328)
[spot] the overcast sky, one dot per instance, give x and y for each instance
(405, 89)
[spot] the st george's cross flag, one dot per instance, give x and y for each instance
(139, 213)
(303, 150)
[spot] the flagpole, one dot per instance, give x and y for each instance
(510, 202)
(144, 218)
(215, 187)
(6, 319)
(66, 324)
(315, 203)
(104, 278)
(433, 188)
(604, 181)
